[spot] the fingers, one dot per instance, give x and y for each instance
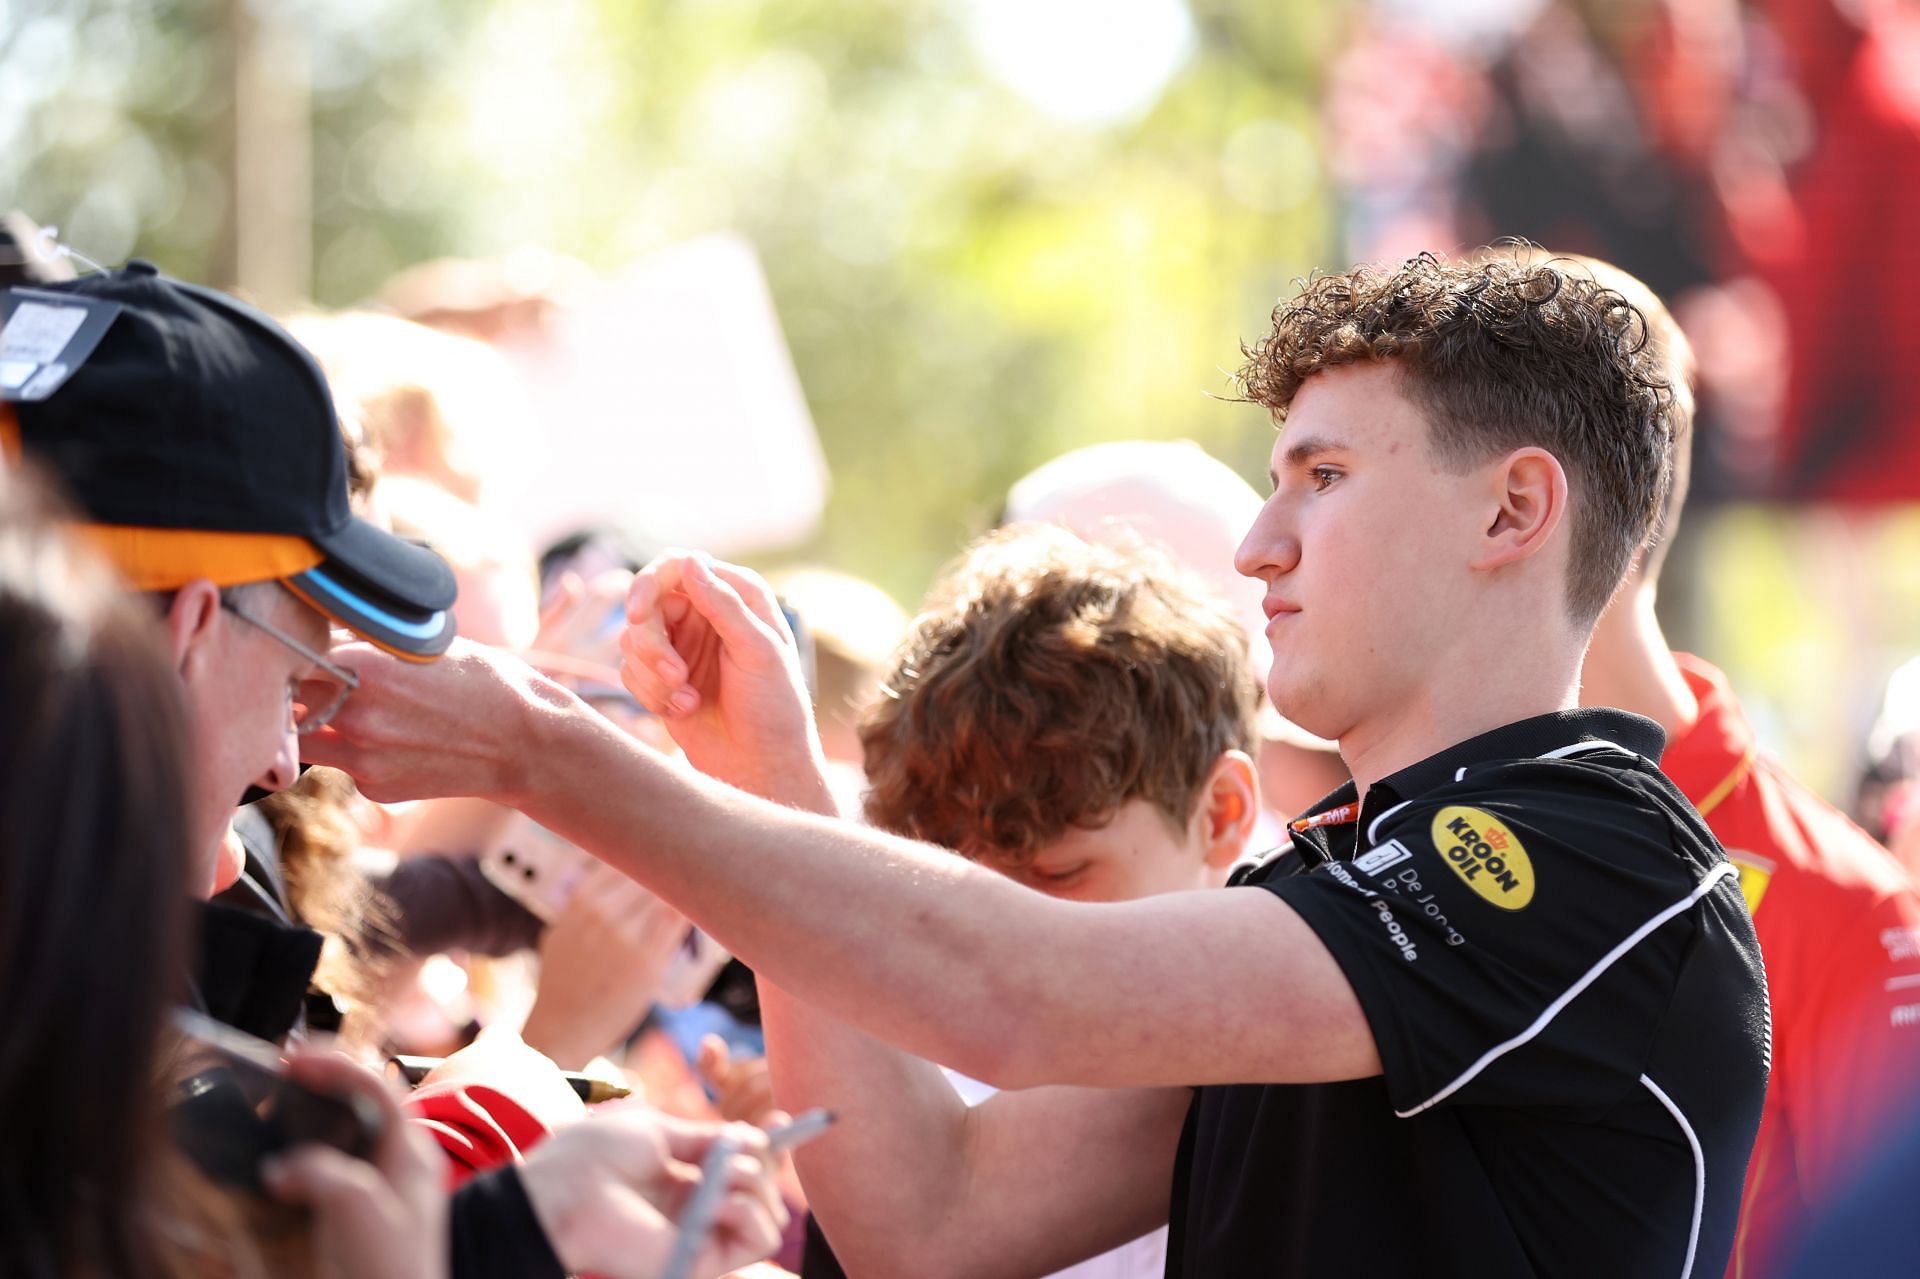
(652, 667)
(329, 1181)
(748, 1226)
(567, 594)
(673, 606)
(742, 630)
(610, 897)
(749, 1175)
(328, 748)
(655, 927)
(714, 1060)
(750, 1096)
(378, 1217)
(402, 1152)
(688, 1139)
(758, 596)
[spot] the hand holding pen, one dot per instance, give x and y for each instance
(703, 1208)
(605, 1191)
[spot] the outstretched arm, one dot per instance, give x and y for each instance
(912, 944)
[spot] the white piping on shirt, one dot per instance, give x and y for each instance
(1373, 827)
(1723, 871)
(1561, 752)
(1699, 1172)
(1582, 748)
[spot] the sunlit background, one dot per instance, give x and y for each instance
(992, 230)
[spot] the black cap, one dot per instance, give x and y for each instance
(198, 415)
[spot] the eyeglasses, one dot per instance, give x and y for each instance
(311, 714)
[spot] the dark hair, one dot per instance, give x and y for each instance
(94, 865)
(1048, 681)
(1502, 353)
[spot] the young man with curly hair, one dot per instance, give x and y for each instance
(1507, 1018)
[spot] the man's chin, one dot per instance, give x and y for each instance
(227, 861)
(1304, 711)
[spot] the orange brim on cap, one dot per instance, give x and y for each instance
(9, 435)
(165, 559)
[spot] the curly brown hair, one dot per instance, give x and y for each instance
(1048, 681)
(1502, 351)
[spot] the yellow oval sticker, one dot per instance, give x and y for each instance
(1485, 854)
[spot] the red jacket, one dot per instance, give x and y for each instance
(1839, 927)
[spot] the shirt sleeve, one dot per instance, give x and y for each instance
(494, 1232)
(1511, 951)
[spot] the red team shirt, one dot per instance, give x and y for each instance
(1839, 927)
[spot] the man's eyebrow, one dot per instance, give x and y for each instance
(1307, 448)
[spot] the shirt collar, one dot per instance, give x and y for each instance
(1701, 755)
(1523, 739)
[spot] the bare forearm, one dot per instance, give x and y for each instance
(807, 901)
(946, 960)
(890, 1180)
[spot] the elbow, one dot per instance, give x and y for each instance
(989, 1048)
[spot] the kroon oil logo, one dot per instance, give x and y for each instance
(1480, 849)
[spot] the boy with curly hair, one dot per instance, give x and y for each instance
(1078, 717)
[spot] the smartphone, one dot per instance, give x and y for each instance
(234, 1105)
(534, 866)
(540, 870)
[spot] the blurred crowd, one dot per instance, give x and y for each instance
(316, 1033)
(1732, 156)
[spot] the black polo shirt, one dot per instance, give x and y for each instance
(1563, 981)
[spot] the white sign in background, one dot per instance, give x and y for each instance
(665, 401)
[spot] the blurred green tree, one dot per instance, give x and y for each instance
(975, 271)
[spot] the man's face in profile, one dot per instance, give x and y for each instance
(1362, 548)
(241, 691)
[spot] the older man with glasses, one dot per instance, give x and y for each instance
(202, 443)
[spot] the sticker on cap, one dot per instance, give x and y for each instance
(44, 337)
(1485, 854)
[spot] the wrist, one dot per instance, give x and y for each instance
(551, 1036)
(545, 747)
(799, 783)
(557, 1206)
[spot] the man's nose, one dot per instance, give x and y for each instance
(1269, 549)
(285, 769)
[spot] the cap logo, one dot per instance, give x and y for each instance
(44, 337)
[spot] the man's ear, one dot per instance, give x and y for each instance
(1529, 491)
(1229, 808)
(192, 621)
